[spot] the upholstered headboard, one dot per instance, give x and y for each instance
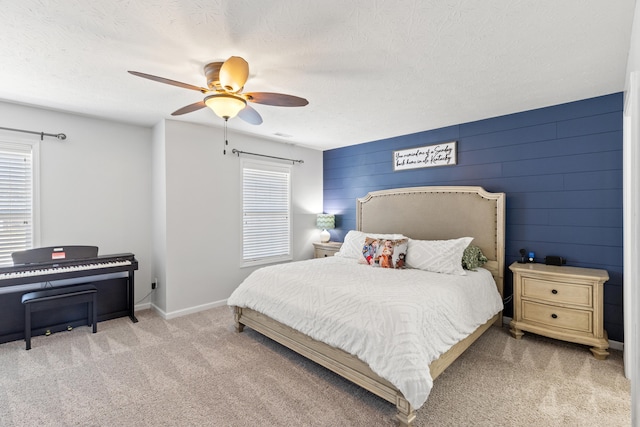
(440, 213)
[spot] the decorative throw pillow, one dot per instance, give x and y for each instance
(385, 253)
(438, 256)
(473, 258)
(354, 241)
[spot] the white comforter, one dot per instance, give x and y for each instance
(397, 321)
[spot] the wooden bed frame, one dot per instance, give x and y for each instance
(425, 213)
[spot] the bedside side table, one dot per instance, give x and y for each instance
(326, 249)
(560, 302)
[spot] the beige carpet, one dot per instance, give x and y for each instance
(196, 371)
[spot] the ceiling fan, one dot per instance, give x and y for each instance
(223, 94)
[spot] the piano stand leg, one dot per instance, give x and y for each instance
(131, 297)
(27, 326)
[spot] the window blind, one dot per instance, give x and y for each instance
(266, 204)
(16, 201)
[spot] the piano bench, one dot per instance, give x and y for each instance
(50, 298)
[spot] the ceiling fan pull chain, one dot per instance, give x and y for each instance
(226, 141)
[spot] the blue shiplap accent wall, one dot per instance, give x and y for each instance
(560, 166)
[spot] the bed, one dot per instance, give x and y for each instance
(421, 214)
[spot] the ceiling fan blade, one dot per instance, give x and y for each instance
(168, 81)
(189, 108)
(277, 99)
(249, 115)
(234, 73)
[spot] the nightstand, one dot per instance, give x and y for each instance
(560, 302)
(326, 249)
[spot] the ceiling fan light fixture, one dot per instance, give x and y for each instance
(225, 105)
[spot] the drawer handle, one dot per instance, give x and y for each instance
(553, 291)
(555, 316)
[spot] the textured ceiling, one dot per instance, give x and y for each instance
(370, 69)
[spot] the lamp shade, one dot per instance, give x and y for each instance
(326, 221)
(225, 105)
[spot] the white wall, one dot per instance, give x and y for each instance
(202, 226)
(94, 186)
(158, 218)
(632, 220)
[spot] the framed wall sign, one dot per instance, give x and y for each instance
(443, 154)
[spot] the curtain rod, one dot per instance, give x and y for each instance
(60, 136)
(238, 152)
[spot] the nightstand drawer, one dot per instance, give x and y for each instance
(321, 253)
(556, 292)
(558, 317)
(327, 249)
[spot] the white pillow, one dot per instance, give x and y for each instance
(354, 242)
(438, 256)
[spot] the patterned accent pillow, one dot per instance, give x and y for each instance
(384, 253)
(438, 256)
(473, 258)
(354, 241)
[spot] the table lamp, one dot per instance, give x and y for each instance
(325, 222)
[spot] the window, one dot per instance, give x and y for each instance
(266, 213)
(16, 199)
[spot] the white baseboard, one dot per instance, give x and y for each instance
(184, 312)
(143, 306)
(615, 345)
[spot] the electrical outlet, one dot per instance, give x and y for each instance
(154, 284)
